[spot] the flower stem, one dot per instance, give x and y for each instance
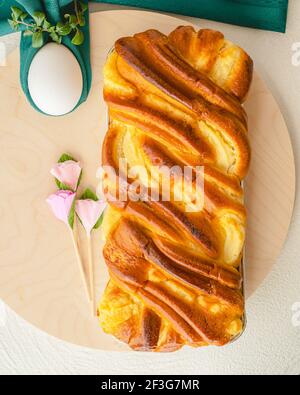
(91, 271)
(74, 236)
(25, 24)
(76, 10)
(31, 26)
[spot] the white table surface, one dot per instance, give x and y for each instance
(271, 344)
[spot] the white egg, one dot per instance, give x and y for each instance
(55, 80)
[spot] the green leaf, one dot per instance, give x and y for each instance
(23, 16)
(73, 21)
(89, 195)
(37, 40)
(39, 17)
(81, 20)
(58, 26)
(63, 29)
(13, 24)
(84, 7)
(79, 179)
(46, 24)
(65, 157)
(61, 186)
(28, 33)
(56, 38)
(72, 215)
(16, 12)
(78, 39)
(99, 222)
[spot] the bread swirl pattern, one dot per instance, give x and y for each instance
(176, 101)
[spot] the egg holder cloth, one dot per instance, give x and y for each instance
(54, 10)
(261, 14)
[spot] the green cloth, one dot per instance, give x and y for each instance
(260, 14)
(54, 9)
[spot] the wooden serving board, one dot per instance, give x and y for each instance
(39, 277)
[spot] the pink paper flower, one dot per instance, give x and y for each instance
(89, 212)
(61, 204)
(67, 173)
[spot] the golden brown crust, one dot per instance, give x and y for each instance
(207, 50)
(173, 102)
(132, 257)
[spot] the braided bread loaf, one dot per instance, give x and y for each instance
(175, 273)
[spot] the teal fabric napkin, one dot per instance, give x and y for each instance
(54, 9)
(260, 14)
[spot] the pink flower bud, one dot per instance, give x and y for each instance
(67, 173)
(89, 212)
(61, 204)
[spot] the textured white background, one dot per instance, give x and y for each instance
(271, 344)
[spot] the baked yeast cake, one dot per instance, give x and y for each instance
(175, 272)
